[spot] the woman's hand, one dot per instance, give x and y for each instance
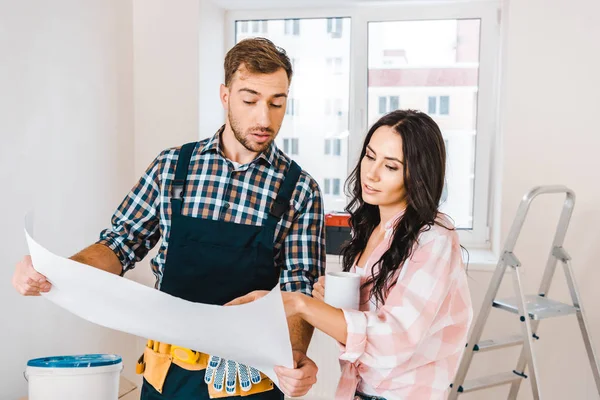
(319, 289)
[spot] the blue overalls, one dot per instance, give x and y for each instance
(214, 262)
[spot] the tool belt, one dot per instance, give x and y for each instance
(154, 364)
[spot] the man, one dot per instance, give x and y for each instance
(234, 214)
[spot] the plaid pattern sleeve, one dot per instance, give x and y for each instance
(302, 258)
(409, 347)
(135, 224)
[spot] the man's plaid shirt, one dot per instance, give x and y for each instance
(217, 190)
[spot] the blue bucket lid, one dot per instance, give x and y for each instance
(78, 361)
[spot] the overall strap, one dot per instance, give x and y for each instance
(178, 184)
(282, 201)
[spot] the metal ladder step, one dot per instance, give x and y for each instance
(538, 307)
(489, 381)
(494, 344)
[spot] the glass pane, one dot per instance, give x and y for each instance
(444, 105)
(337, 150)
(327, 146)
(336, 186)
(324, 74)
(424, 62)
(382, 105)
(432, 105)
(394, 103)
(286, 146)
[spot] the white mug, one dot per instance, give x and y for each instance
(342, 290)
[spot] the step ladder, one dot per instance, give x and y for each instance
(529, 309)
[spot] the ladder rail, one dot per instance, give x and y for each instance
(582, 320)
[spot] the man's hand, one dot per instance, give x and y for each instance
(319, 289)
(298, 381)
(28, 281)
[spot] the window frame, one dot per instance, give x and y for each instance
(488, 11)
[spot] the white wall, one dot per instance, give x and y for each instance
(211, 74)
(66, 130)
(165, 49)
(550, 135)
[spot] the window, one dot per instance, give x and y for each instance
(333, 147)
(292, 107)
(244, 26)
(336, 187)
(290, 146)
(382, 105)
(436, 57)
(447, 59)
(432, 109)
(388, 103)
(334, 27)
(444, 105)
(292, 27)
(443, 108)
(332, 186)
(337, 147)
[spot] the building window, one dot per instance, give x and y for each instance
(333, 147)
(337, 147)
(439, 105)
(432, 109)
(244, 26)
(336, 187)
(382, 105)
(290, 146)
(292, 27)
(334, 27)
(444, 105)
(388, 104)
(332, 186)
(292, 107)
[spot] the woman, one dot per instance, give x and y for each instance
(406, 340)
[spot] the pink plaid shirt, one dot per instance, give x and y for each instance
(410, 346)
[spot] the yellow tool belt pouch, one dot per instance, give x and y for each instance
(154, 364)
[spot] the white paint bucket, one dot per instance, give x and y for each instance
(80, 377)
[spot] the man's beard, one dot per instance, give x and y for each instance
(243, 138)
